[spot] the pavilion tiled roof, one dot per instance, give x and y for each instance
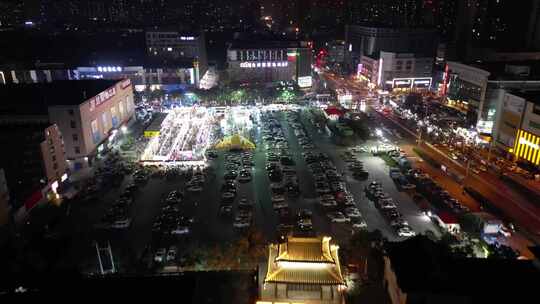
(305, 250)
(316, 262)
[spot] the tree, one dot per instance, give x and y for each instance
(470, 222)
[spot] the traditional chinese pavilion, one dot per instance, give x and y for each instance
(305, 269)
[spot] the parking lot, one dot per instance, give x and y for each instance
(296, 179)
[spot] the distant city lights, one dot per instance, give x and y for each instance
(109, 69)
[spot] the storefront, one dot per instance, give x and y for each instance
(527, 147)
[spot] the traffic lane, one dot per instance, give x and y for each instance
(495, 192)
(491, 191)
(372, 216)
(487, 178)
(378, 171)
(308, 197)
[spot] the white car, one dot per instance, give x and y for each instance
(180, 230)
(171, 254)
(280, 205)
(277, 198)
(159, 255)
(338, 217)
(359, 223)
(328, 203)
(406, 232)
(227, 195)
(194, 189)
(352, 212)
(121, 224)
(242, 223)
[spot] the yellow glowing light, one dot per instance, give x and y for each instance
(302, 265)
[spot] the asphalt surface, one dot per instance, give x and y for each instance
(130, 246)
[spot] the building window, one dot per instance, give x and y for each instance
(534, 124)
(55, 166)
(70, 112)
(75, 137)
(72, 124)
(536, 109)
(54, 158)
(512, 125)
(77, 150)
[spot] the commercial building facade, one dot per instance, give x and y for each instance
(35, 164)
(479, 90)
(171, 44)
(370, 41)
(89, 123)
(397, 71)
(517, 129)
(151, 73)
(268, 62)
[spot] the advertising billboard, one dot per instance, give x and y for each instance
(527, 146)
(305, 81)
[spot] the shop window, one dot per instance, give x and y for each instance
(536, 109)
(534, 124)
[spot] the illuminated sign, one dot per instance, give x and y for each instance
(109, 69)
(126, 83)
(268, 64)
(149, 134)
(412, 82)
(484, 126)
(379, 77)
(292, 53)
(187, 38)
(527, 146)
(102, 97)
(305, 81)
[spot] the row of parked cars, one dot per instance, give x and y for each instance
(354, 165)
(117, 214)
(172, 220)
(434, 193)
(238, 166)
(388, 208)
(334, 198)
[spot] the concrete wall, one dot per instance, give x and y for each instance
(104, 117)
(392, 286)
(54, 157)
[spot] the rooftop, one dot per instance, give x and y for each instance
(264, 44)
(35, 98)
(510, 70)
(424, 266)
(304, 261)
(305, 250)
(532, 96)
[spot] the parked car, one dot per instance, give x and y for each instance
(338, 217)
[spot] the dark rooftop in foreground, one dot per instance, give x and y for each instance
(262, 44)
(509, 70)
(532, 96)
(424, 267)
(35, 98)
(212, 287)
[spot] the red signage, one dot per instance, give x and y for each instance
(33, 200)
(126, 83)
(102, 98)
